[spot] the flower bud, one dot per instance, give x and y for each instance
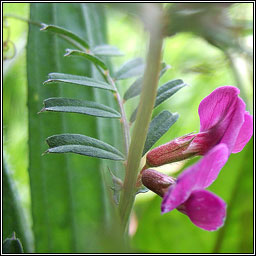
(156, 181)
(173, 151)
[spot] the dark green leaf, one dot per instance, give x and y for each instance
(158, 127)
(163, 93)
(164, 68)
(95, 60)
(130, 69)
(167, 90)
(106, 50)
(12, 245)
(79, 106)
(135, 89)
(80, 80)
(67, 35)
(83, 145)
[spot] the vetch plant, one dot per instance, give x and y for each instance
(85, 152)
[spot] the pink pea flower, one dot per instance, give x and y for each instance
(223, 119)
(188, 195)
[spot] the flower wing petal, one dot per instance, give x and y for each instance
(198, 176)
(245, 133)
(205, 210)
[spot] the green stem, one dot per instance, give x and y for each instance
(125, 124)
(146, 105)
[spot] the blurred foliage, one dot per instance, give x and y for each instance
(200, 64)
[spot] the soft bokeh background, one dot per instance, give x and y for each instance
(201, 65)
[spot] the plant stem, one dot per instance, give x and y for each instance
(125, 124)
(146, 105)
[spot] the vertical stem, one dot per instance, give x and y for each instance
(146, 105)
(125, 124)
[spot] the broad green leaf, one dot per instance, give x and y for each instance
(67, 35)
(14, 216)
(83, 145)
(106, 50)
(163, 93)
(12, 245)
(94, 59)
(79, 106)
(158, 127)
(80, 80)
(134, 67)
(135, 89)
(167, 90)
(68, 200)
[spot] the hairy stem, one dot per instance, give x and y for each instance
(125, 124)
(146, 105)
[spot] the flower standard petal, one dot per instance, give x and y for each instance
(245, 133)
(198, 176)
(218, 107)
(231, 134)
(205, 210)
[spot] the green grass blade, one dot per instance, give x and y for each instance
(66, 190)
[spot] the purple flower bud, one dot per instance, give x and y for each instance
(156, 181)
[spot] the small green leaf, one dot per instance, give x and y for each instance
(142, 189)
(130, 69)
(95, 60)
(83, 145)
(12, 245)
(167, 90)
(158, 127)
(163, 93)
(135, 89)
(80, 80)
(79, 106)
(164, 68)
(106, 50)
(67, 35)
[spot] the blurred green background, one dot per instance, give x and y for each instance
(200, 64)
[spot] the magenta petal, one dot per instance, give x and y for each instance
(205, 210)
(232, 132)
(218, 106)
(245, 133)
(198, 176)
